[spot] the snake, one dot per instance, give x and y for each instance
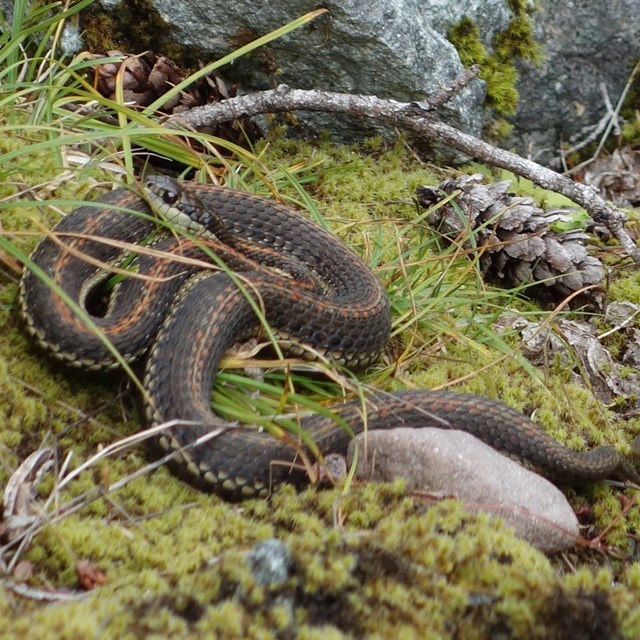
(245, 263)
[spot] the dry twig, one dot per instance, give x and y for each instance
(421, 120)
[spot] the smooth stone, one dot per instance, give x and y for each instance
(456, 464)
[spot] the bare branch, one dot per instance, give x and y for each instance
(419, 119)
(443, 96)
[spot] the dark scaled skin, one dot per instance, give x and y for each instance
(314, 291)
(243, 462)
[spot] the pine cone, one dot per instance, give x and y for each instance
(518, 242)
(145, 78)
(617, 176)
(148, 76)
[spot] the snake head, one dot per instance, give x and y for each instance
(169, 199)
(163, 191)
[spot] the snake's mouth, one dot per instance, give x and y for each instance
(171, 203)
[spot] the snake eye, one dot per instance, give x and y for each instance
(170, 197)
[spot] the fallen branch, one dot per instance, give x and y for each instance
(420, 119)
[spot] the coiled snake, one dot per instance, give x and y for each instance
(315, 293)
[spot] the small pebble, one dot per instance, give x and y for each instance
(270, 561)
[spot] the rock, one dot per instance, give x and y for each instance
(453, 463)
(270, 561)
(390, 48)
(587, 45)
(399, 49)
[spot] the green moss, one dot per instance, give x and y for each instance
(368, 561)
(497, 67)
(631, 128)
(517, 40)
(629, 112)
(466, 37)
(133, 26)
(627, 287)
(438, 570)
(499, 129)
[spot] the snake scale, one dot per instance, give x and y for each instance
(316, 294)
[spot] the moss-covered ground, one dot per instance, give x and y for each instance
(367, 561)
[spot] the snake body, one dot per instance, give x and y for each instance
(316, 294)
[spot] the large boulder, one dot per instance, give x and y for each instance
(391, 48)
(399, 49)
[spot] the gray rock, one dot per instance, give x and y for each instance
(453, 463)
(586, 44)
(270, 561)
(6, 6)
(390, 48)
(399, 49)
